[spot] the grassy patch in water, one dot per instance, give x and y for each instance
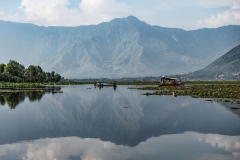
(230, 92)
(234, 108)
(37, 85)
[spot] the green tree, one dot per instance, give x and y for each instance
(15, 69)
(48, 76)
(57, 77)
(53, 73)
(15, 72)
(34, 74)
(2, 67)
(5, 76)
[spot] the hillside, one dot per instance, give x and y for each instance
(123, 47)
(225, 67)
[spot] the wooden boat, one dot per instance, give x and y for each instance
(167, 81)
(105, 85)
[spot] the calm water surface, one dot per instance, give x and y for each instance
(86, 124)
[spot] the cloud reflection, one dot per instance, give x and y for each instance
(190, 145)
(228, 143)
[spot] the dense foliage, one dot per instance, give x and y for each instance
(15, 72)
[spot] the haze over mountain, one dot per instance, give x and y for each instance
(124, 47)
(227, 67)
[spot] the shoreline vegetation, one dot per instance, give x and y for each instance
(134, 83)
(201, 89)
(14, 77)
(16, 72)
(219, 91)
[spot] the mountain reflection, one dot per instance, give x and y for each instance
(123, 117)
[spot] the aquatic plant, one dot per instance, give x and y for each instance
(234, 108)
(231, 92)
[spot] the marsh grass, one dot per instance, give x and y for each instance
(4, 85)
(230, 92)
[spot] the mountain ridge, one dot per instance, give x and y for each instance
(123, 47)
(225, 67)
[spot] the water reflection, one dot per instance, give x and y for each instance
(13, 99)
(190, 145)
(106, 86)
(101, 116)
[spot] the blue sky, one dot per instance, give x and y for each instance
(186, 14)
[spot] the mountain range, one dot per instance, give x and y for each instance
(123, 47)
(225, 67)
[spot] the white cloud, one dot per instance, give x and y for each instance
(236, 5)
(48, 12)
(1, 13)
(103, 10)
(56, 12)
(13, 17)
(168, 13)
(231, 16)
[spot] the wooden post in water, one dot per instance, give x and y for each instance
(174, 94)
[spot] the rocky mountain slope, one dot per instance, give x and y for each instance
(226, 67)
(125, 47)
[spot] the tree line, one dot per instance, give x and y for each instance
(16, 72)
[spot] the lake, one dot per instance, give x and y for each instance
(87, 123)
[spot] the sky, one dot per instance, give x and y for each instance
(185, 14)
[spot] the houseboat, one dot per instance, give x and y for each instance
(167, 81)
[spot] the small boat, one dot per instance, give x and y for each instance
(167, 81)
(105, 85)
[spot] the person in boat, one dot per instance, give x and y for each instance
(163, 80)
(114, 84)
(179, 81)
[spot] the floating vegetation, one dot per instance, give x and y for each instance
(37, 85)
(137, 83)
(57, 91)
(212, 82)
(186, 83)
(234, 108)
(6, 85)
(148, 94)
(210, 100)
(222, 92)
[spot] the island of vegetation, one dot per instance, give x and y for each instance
(16, 72)
(14, 75)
